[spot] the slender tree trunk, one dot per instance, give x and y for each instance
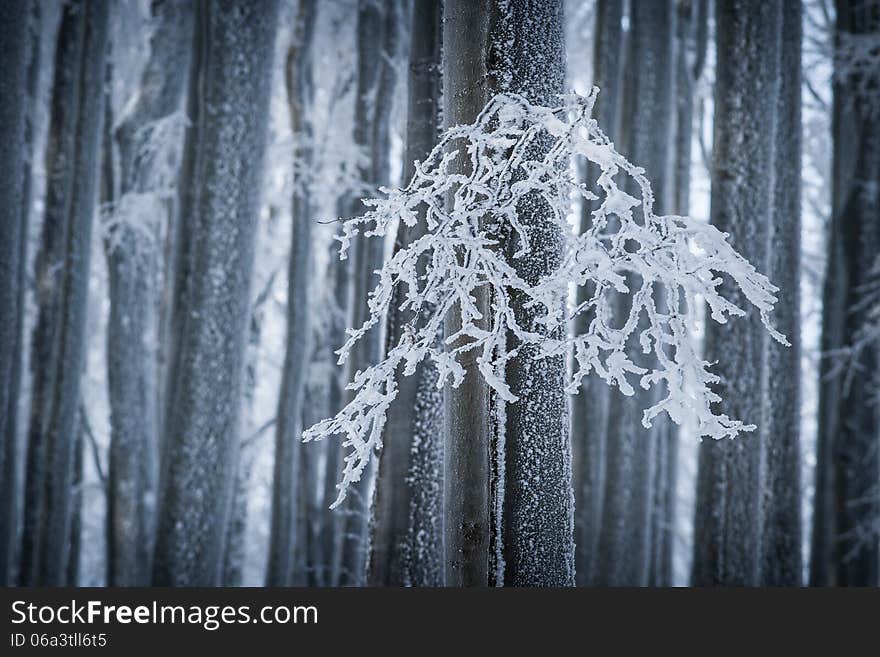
(19, 50)
(205, 406)
(781, 541)
(589, 408)
(132, 261)
(848, 452)
(468, 442)
(76, 494)
(636, 457)
(62, 282)
(378, 25)
(406, 543)
(286, 543)
(728, 524)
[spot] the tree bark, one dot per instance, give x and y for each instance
(728, 525)
(468, 430)
(848, 452)
(781, 540)
(62, 288)
(204, 409)
(19, 50)
(406, 543)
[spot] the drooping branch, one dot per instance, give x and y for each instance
(627, 242)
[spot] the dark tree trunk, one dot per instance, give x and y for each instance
(845, 550)
(19, 50)
(62, 288)
(468, 431)
(202, 446)
(727, 525)
(406, 545)
(781, 540)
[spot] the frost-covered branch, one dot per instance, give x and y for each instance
(628, 251)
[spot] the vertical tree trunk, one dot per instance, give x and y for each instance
(377, 45)
(466, 500)
(19, 50)
(781, 540)
(205, 405)
(527, 56)
(589, 408)
(132, 254)
(848, 449)
(405, 546)
(634, 453)
(727, 526)
(62, 282)
(286, 543)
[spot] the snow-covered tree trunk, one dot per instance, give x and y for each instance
(289, 493)
(589, 408)
(62, 288)
(466, 478)
(781, 561)
(203, 425)
(19, 50)
(406, 540)
(727, 525)
(625, 543)
(132, 245)
(377, 37)
(848, 449)
(527, 56)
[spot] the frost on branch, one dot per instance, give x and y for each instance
(628, 250)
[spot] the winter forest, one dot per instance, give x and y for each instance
(423, 293)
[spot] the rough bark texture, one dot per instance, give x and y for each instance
(377, 45)
(634, 453)
(289, 492)
(62, 287)
(781, 561)
(589, 408)
(527, 56)
(848, 451)
(406, 543)
(19, 50)
(132, 261)
(203, 423)
(466, 501)
(727, 525)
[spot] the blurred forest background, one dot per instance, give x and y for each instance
(171, 295)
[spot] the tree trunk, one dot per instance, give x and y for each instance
(19, 49)
(288, 522)
(378, 25)
(468, 431)
(634, 453)
(406, 543)
(132, 260)
(781, 540)
(589, 408)
(727, 525)
(62, 288)
(848, 451)
(203, 436)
